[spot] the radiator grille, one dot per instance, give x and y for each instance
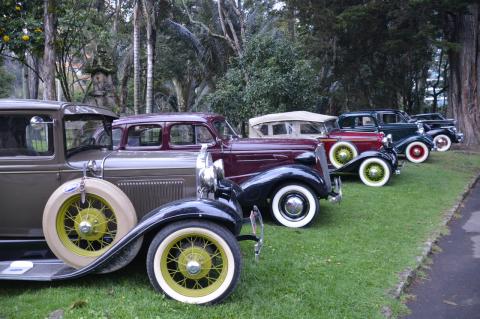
(322, 158)
(149, 194)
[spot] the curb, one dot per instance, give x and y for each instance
(407, 275)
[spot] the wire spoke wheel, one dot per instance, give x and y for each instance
(194, 262)
(374, 172)
(88, 228)
(341, 153)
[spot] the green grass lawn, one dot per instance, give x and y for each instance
(343, 266)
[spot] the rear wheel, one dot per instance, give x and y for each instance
(417, 152)
(374, 172)
(194, 262)
(79, 232)
(341, 153)
(294, 205)
(442, 142)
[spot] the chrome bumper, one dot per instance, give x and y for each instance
(399, 167)
(459, 137)
(256, 221)
(336, 194)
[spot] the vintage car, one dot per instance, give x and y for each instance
(370, 154)
(442, 130)
(409, 139)
(94, 206)
(287, 176)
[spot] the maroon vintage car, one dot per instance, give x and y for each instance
(287, 175)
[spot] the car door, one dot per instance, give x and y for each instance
(392, 123)
(29, 171)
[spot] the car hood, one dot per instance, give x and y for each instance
(246, 144)
(126, 160)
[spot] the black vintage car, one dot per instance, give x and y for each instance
(409, 138)
(94, 206)
(442, 130)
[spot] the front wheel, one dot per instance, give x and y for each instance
(417, 152)
(294, 205)
(195, 262)
(442, 142)
(374, 172)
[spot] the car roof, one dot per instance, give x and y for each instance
(359, 113)
(291, 116)
(169, 117)
(66, 107)
(426, 114)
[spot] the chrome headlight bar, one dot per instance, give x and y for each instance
(421, 129)
(387, 141)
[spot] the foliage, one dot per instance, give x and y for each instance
(343, 266)
(21, 27)
(272, 76)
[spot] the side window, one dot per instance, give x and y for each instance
(263, 129)
(389, 118)
(116, 137)
(279, 129)
(18, 137)
(203, 135)
(182, 134)
(142, 135)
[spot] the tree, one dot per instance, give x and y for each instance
(463, 28)
(136, 56)
(49, 51)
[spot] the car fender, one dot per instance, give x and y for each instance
(354, 164)
(258, 188)
(437, 131)
(402, 144)
(201, 209)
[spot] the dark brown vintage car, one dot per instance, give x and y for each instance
(93, 205)
(286, 175)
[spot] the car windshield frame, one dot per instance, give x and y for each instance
(226, 125)
(91, 136)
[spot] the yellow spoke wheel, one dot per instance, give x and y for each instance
(194, 262)
(88, 228)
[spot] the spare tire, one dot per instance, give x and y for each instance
(77, 232)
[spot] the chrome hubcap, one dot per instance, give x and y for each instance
(416, 151)
(85, 228)
(343, 155)
(193, 267)
(374, 172)
(294, 205)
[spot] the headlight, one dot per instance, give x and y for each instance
(387, 140)
(208, 173)
(420, 130)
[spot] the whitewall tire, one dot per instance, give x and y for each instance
(77, 232)
(294, 205)
(417, 152)
(374, 172)
(196, 262)
(341, 153)
(442, 142)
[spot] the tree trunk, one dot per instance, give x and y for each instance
(49, 51)
(464, 87)
(150, 17)
(25, 82)
(136, 57)
(182, 92)
(34, 81)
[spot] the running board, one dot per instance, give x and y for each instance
(34, 270)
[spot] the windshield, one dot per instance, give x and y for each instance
(312, 128)
(224, 129)
(85, 132)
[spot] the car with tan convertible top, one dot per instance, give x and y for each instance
(72, 206)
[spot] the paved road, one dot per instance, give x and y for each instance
(452, 288)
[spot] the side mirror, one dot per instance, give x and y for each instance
(38, 123)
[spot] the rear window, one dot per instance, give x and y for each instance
(18, 137)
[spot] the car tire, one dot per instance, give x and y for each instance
(341, 153)
(294, 205)
(195, 262)
(442, 142)
(107, 215)
(417, 152)
(374, 172)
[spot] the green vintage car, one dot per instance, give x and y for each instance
(66, 193)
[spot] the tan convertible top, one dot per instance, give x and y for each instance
(291, 116)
